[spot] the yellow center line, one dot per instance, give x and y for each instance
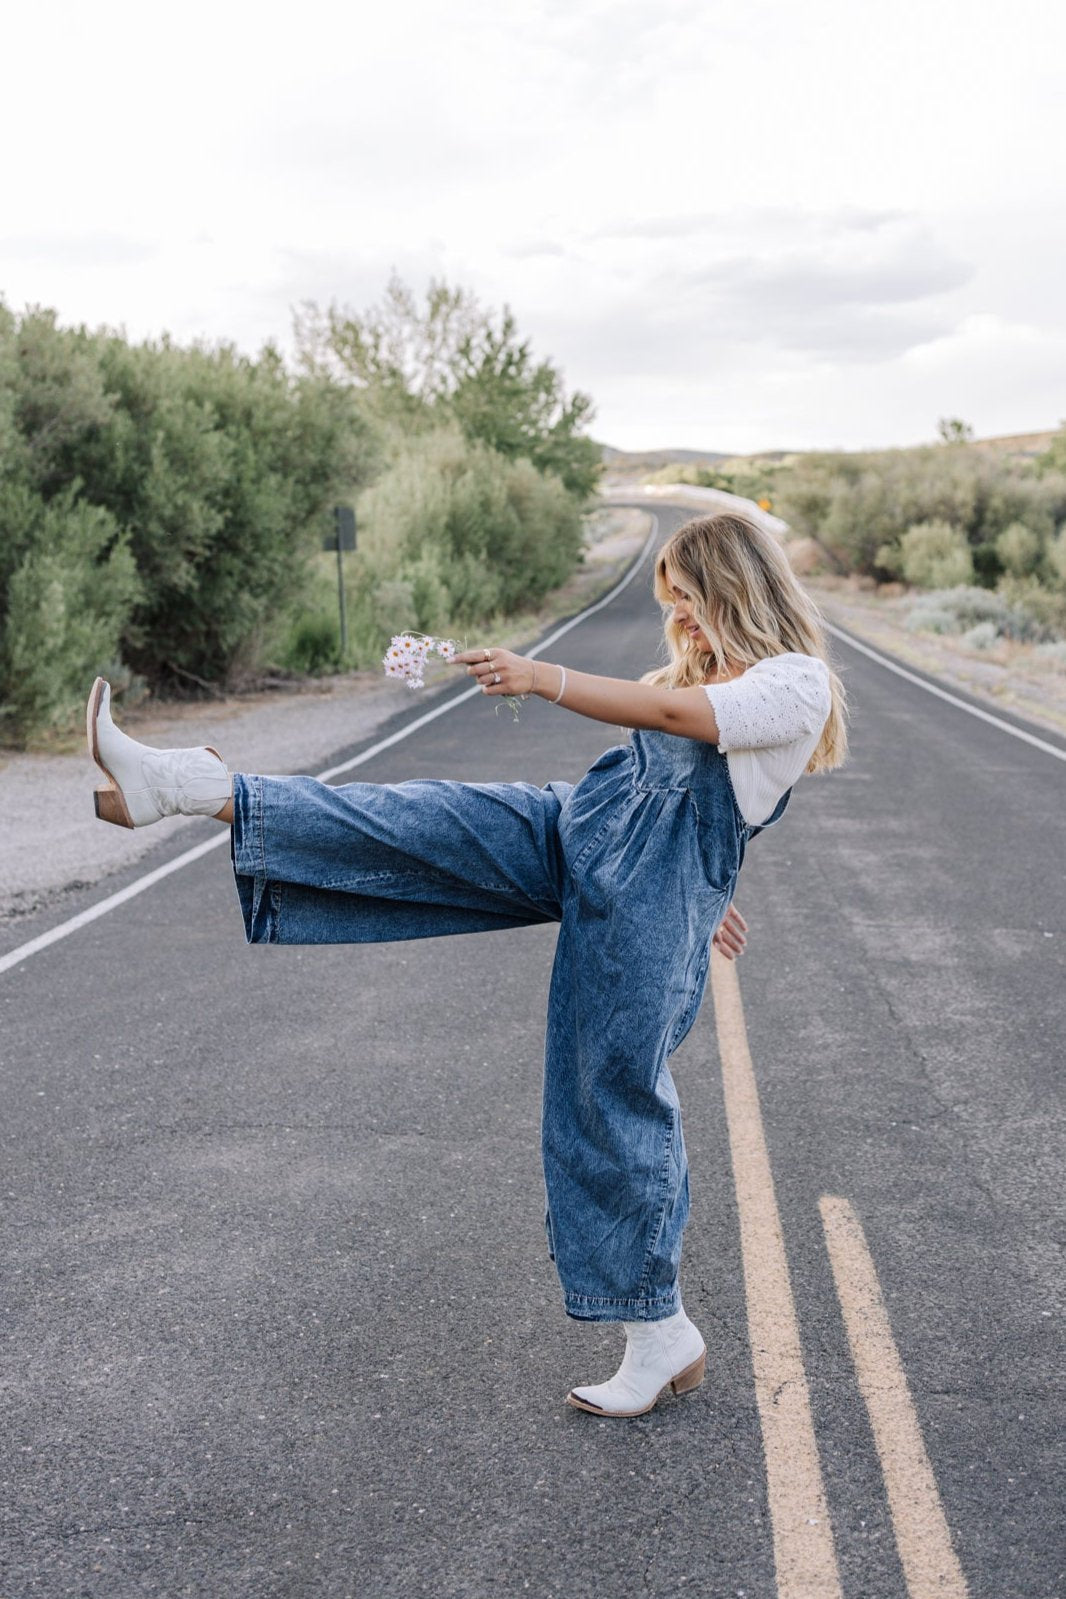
(930, 1565)
(804, 1555)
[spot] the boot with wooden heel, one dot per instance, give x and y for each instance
(145, 784)
(659, 1355)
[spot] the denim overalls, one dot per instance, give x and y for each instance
(638, 863)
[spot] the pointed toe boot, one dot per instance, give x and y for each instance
(659, 1355)
(145, 784)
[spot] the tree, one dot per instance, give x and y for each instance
(953, 430)
(451, 360)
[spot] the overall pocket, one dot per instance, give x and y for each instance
(718, 842)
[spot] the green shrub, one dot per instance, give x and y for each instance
(935, 555)
(1019, 549)
(313, 644)
(860, 506)
(226, 483)
(216, 469)
(932, 619)
(67, 603)
(454, 534)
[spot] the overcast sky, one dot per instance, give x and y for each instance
(739, 226)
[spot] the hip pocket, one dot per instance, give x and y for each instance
(718, 845)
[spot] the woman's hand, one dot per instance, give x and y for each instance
(498, 671)
(729, 938)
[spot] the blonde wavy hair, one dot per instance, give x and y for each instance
(750, 604)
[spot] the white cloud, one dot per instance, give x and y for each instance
(755, 225)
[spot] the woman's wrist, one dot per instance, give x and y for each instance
(548, 681)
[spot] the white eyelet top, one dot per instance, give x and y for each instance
(770, 720)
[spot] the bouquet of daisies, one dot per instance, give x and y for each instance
(408, 653)
(406, 656)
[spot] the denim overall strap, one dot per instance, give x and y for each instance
(774, 816)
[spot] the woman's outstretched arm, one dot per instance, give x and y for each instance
(685, 711)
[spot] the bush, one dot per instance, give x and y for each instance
(860, 506)
(467, 533)
(1019, 549)
(980, 637)
(68, 601)
(204, 472)
(987, 566)
(935, 555)
(966, 608)
(223, 469)
(932, 619)
(313, 644)
(1044, 608)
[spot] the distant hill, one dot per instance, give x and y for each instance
(635, 463)
(1019, 443)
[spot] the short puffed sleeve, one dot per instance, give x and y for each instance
(777, 701)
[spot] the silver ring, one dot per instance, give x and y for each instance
(496, 677)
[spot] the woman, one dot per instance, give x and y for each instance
(637, 862)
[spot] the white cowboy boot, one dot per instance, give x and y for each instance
(659, 1355)
(145, 784)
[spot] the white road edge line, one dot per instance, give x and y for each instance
(943, 694)
(15, 957)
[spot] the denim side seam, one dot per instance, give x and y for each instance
(664, 1196)
(688, 1015)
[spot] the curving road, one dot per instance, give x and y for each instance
(278, 1316)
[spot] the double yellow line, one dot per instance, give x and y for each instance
(804, 1552)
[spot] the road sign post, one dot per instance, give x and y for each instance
(342, 538)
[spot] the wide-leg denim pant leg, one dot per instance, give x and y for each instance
(373, 862)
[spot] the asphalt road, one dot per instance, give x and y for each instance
(278, 1317)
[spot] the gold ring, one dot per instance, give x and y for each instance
(488, 655)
